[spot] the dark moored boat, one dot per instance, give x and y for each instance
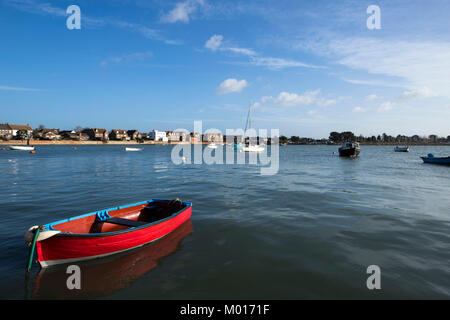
(436, 160)
(401, 149)
(349, 149)
(106, 232)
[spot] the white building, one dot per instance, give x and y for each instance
(177, 136)
(158, 136)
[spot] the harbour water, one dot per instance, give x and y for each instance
(308, 232)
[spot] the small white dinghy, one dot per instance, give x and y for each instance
(212, 146)
(22, 148)
(253, 148)
(133, 149)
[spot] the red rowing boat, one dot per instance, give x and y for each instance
(102, 277)
(105, 232)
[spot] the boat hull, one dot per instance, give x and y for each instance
(106, 276)
(400, 149)
(68, 248)
(349, 152)
(436, 160)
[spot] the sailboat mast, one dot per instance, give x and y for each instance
(248, 121)
(250, 115)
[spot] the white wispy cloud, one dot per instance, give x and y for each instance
(290, 99)
(371, 82)
(127, 58)
(278, 63)
(359, 109)
(417, 64)
(371, 97)
(231, 85)
(182, 11)
(216, 43)
(386, 106)
(45, 8)
(9, 88)
(35, 7)
(420, 93)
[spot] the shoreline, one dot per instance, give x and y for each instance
(110, 143)
(94, 143)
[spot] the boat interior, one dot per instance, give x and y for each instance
(121, 218)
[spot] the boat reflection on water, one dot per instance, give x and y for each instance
(105, 276)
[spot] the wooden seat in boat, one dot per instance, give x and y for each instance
(126, 222)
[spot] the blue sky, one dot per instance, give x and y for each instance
(310, 67)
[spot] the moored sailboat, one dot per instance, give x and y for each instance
(251, 147)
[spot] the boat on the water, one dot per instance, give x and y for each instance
(401, 149)
(108, 275)
(253, 148)
(249, 147)
(212, 146)
(105, 232)
(349, 149)
(133, 149)
(430, 158)
(22, 148)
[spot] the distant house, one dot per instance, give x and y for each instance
(134, 134)
(156, 135)
(49, 134)
(4, 130)
(9, 131)
(96, 133)
(236, 139)
(118, 134)
(177, 136)
(195, 137)
(213, 137)
(73, 135)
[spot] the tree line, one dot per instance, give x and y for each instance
(340, 137)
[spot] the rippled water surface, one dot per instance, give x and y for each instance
(309, 231)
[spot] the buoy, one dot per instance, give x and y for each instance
(3, 148)
(74, 148)
(32, 152)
